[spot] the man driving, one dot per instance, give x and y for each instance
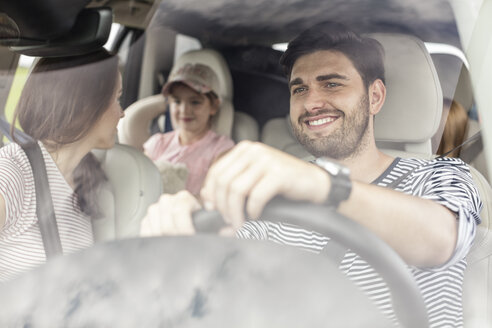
(426, 210)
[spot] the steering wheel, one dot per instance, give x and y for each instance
(211, 281)
(406, 297)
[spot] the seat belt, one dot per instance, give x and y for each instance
(44, 204)
(19, 135)
(471, 152)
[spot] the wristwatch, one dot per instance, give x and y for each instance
(341, 185)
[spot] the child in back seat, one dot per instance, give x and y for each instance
(193, 96)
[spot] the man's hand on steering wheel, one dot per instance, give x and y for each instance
(251, 174)
(171, 215)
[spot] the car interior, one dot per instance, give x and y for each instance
(255, 97)
(406, 60)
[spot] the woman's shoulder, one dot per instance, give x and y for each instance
(13, 155)
(14, 165)
(16, 177)
(10, 150)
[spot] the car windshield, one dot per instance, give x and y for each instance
(155, 130)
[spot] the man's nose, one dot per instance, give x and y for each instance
(314, 100)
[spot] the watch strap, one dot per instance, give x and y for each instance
(341, 185)
(340, 189)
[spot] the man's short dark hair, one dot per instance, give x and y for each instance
(366, 54)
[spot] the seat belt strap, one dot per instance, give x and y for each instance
(474, 139)
(44, 204)
(19, 135)
(471, 152)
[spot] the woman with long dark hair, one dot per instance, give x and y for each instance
(69, 106)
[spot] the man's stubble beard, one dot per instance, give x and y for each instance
(346, 142)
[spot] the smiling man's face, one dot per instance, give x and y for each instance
(329, 106)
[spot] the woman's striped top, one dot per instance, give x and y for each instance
(446, 181)
(21, 246)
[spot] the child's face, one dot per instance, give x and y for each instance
(190, 111)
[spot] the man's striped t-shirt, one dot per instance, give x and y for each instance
(446, 181)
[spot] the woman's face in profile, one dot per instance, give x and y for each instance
(105, 131)
(190, 111)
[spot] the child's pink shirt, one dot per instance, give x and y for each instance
(197, 156)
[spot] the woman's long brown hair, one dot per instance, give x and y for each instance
(61, 101)
(455, 129)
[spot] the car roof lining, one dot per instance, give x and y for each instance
(224, 22)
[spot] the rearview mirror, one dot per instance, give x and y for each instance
(90, 32)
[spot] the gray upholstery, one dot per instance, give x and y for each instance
(413, 106)
(133, 184)
(278, 133)
(244, 127)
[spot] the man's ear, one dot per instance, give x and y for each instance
(377, 95)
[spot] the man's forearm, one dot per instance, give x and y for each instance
(423, 232)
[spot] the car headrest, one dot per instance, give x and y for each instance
(413, 106)
(222, 122)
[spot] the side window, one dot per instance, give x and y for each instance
(127, 43)
(460, 120)
(23, 68)
(452, 69)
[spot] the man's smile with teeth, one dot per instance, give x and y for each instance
(320, 121)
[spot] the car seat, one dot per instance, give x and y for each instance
(404, 127)
(133, 184)
(413, 124)
(134, 127)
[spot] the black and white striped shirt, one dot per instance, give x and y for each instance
(21, 246)
(446, 181)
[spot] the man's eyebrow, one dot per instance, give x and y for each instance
(295, 81)
(330, 77)
(320, 78)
